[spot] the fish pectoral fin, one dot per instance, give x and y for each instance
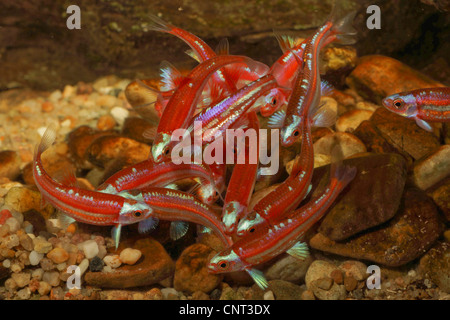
(146, 225)
(223, 48)
(325, 116)
(258, 277)
(299, 250)
(277, 119)
(178, 229)
(194, 55)
(424, 125)
(115, 234)
(150, 133)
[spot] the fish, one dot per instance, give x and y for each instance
(179, 206)
(422, 105)
(181, 106)
(284, 236)
(290, 193)
(87, 206)
(210, 193)
(306, 91)
(241, 184)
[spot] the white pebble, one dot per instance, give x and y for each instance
(14, 225)
(269, 295)
(35, 258)
(55, 96)
(7, 263)
(166, 291)
(89, 248)
(112, 261)
(37, 274)
(119, 114)
(107, 269)
(130, 256)
(83, 266)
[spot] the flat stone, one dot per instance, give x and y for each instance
(349, 144)
(404, 238)
(372, 198)
(435, 265)
(154, 266)
(404, 134)
(376, 77)
(191, 272)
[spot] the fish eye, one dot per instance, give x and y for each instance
(137, 213)
(274, 101)
(251, 230)
(398, 103)
(166, 151)
(223, 264)
(296, 133)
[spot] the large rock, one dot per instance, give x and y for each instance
(191, 272)
(376, 77)
(372, 198)
(435, 265)
(409, 235)
(441, 196)
(433, 168)
(154, 266)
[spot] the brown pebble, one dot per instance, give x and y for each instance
(337, 276)
(58, 255)
(106, 122)
(200, 295)
(47, 106)
(154, 294)
(350, 283)
(308, 295)
(324, 283)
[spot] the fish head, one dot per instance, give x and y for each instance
(207, 193)
(290, 132)
(226, 261)
(250, 224)
(134, 208)
(273, 102)
(231, 216)
(402, 104)
(161, 148)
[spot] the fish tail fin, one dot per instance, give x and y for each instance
(339, 172)
(158, 24)
(343, 29)
(170, 76)
(48, 138)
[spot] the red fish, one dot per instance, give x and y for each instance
(284, 236)
(83, 205)
(422, 105)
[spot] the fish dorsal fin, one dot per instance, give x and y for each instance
(223, 48)
(178, 229)
(150, 133)
(194, 55)
(276, 120)
(287, 42)
(299, 250)
(146, 225)
(170, 76)
(258, 277)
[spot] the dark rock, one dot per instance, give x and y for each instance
(36, 219)
(154, 266)
(381, 178)
(191, 273)
(134, 128)
(96, 264)
(406, 237)
(404, 134)
(435, 265)
(9, 164)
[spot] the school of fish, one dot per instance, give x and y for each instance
(227, 92)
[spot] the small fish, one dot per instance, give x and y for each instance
(181, 106)
(177, 206)
(307, 88)
(422, 105)
(241, 184)
(91, 207)
(284, 236)
(210, 193)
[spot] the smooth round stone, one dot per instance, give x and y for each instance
(348, 143)
(35, 258)
(89, 248)
(112, 261)
(350, 120)
(119, 114)
(433, 168)
(130, 256)
(58, 255)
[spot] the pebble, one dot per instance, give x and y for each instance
(44, 288)
(51, 277)
(58, 255)
(354, 269)
(14, 225)
(130, 256)
(166, 292)
(47, 107)
(84, 264)
(350, 120)
(433, 168)
(288, 268)
(112, 261)
(435, 265)
(318, 280)
(35, 258)
(6, 263)
(96, 264)
(9, 164)
(22, 279)
(24, 294)
(269, 295)
(106, 122)
(41, 245)
(89, 248)
(308, 295)
(349, 144)
(154, 294)
(47, 264)
(37, 274)
(4, 230)
(350, 283)
(119, 114)
(11, 241)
